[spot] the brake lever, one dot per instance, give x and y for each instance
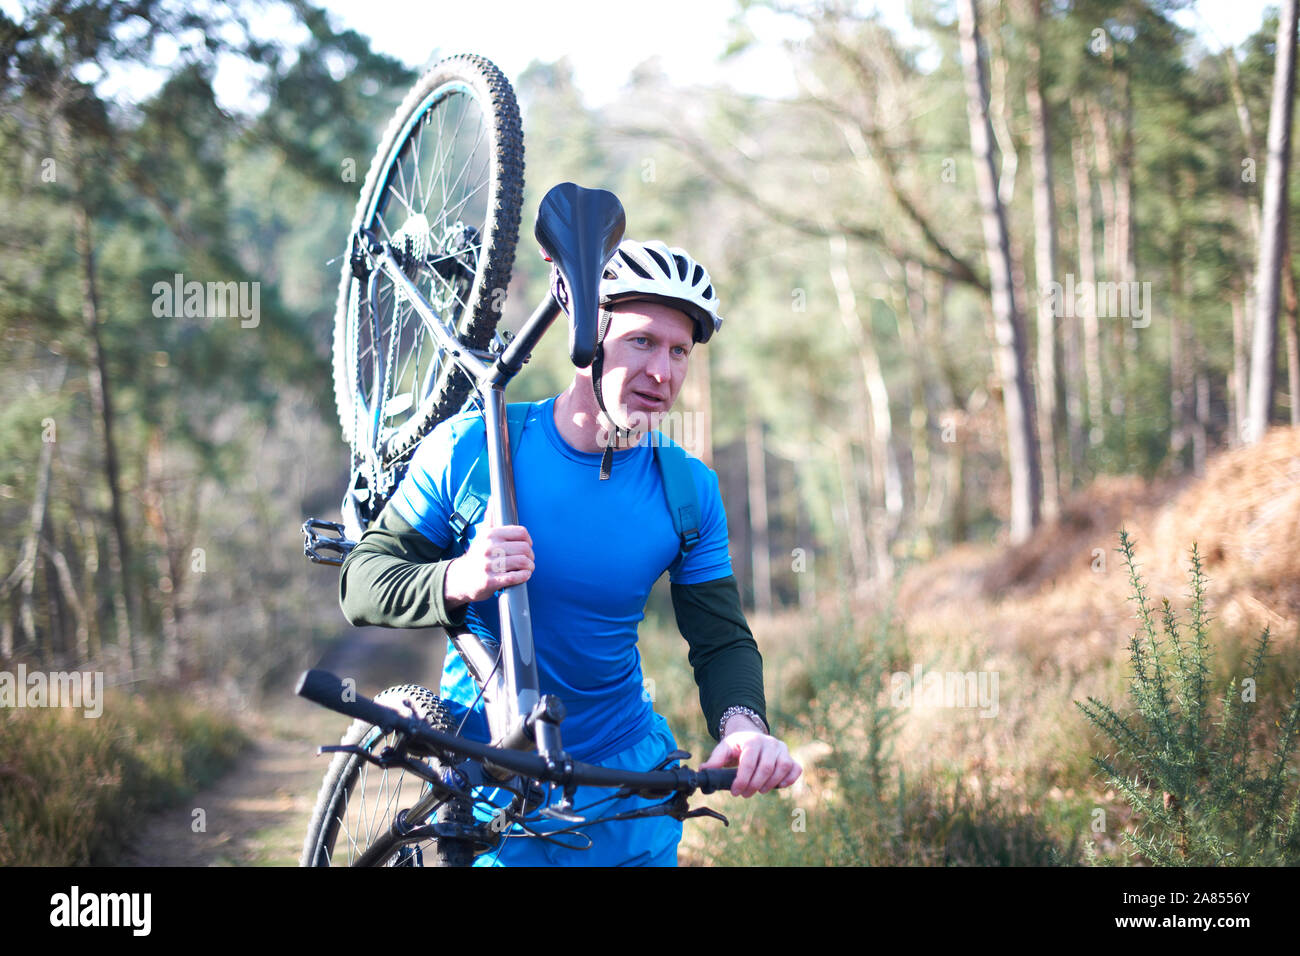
(678, 808)
(675, 755)
(686, 814)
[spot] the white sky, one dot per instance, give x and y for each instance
(603, 40)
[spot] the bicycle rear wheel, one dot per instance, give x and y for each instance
(358, 801)
(444, 189)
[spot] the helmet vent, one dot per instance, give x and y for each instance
(682, 267)
(659, 259)
(636, 267)
(697, 275)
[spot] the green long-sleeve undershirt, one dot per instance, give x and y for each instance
(394, 578)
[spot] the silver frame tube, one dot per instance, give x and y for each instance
(509, 690)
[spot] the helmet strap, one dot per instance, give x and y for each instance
(597, 373)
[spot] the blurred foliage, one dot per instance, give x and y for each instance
(73, 789)
(862, 800)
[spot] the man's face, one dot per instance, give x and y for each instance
(647, 349)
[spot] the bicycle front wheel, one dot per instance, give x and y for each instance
(444, 190)
(358, 801)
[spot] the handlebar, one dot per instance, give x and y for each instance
(326, 689)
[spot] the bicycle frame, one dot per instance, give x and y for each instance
(510, 691)
(580, 228)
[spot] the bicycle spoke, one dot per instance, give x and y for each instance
(416, 139)
(452, 141)
(399, 168)
(402, 199)
(473, 153)
(439, 161)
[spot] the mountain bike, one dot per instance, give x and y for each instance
(428, 262)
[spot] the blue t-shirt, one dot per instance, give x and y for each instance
(599, 547)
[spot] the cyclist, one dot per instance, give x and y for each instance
(594, 536)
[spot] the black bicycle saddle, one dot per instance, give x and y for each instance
(579, 230)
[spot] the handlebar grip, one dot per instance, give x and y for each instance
(714, 779)
(324, 688)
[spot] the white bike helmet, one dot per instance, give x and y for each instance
(653, 271)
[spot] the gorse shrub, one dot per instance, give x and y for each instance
(1205, 793)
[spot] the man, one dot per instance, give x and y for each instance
(594, 536)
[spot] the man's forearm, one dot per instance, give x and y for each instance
(728, 667)
(394, 578)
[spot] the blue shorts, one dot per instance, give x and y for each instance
(648, 841)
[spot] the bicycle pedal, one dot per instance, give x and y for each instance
(325, 548)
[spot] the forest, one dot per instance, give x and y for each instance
(995, 287)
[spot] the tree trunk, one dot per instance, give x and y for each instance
(31, 544)
(1131, 349)
(960, 517)
(697, 402)
(998, 111)
(1291, 316)
(801, 551)
(1105, 184)
(1237, 402)
(759, 539)
(855, 527)
(69, 590)
(101, 401)
(1181, 354)
(1045, 255)
(169, 561)
(1200, 433)
(1237, 386)
(1263, 364)
(913, 323)
(1125, 247)
(886, 485)
(1177, 381)
(1086, 309)
(89, 570)
(1116, 371)
(1247, 127)
(1017, 389)
(1072, 389)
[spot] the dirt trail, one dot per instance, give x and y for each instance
(257, 814)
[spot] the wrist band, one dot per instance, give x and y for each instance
(732, 712)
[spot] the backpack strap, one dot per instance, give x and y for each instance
(472, 497)
(679, 489)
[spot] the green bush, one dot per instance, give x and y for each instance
(859, 807)
(1204, 791)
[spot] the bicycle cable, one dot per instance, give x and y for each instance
(479, 695)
